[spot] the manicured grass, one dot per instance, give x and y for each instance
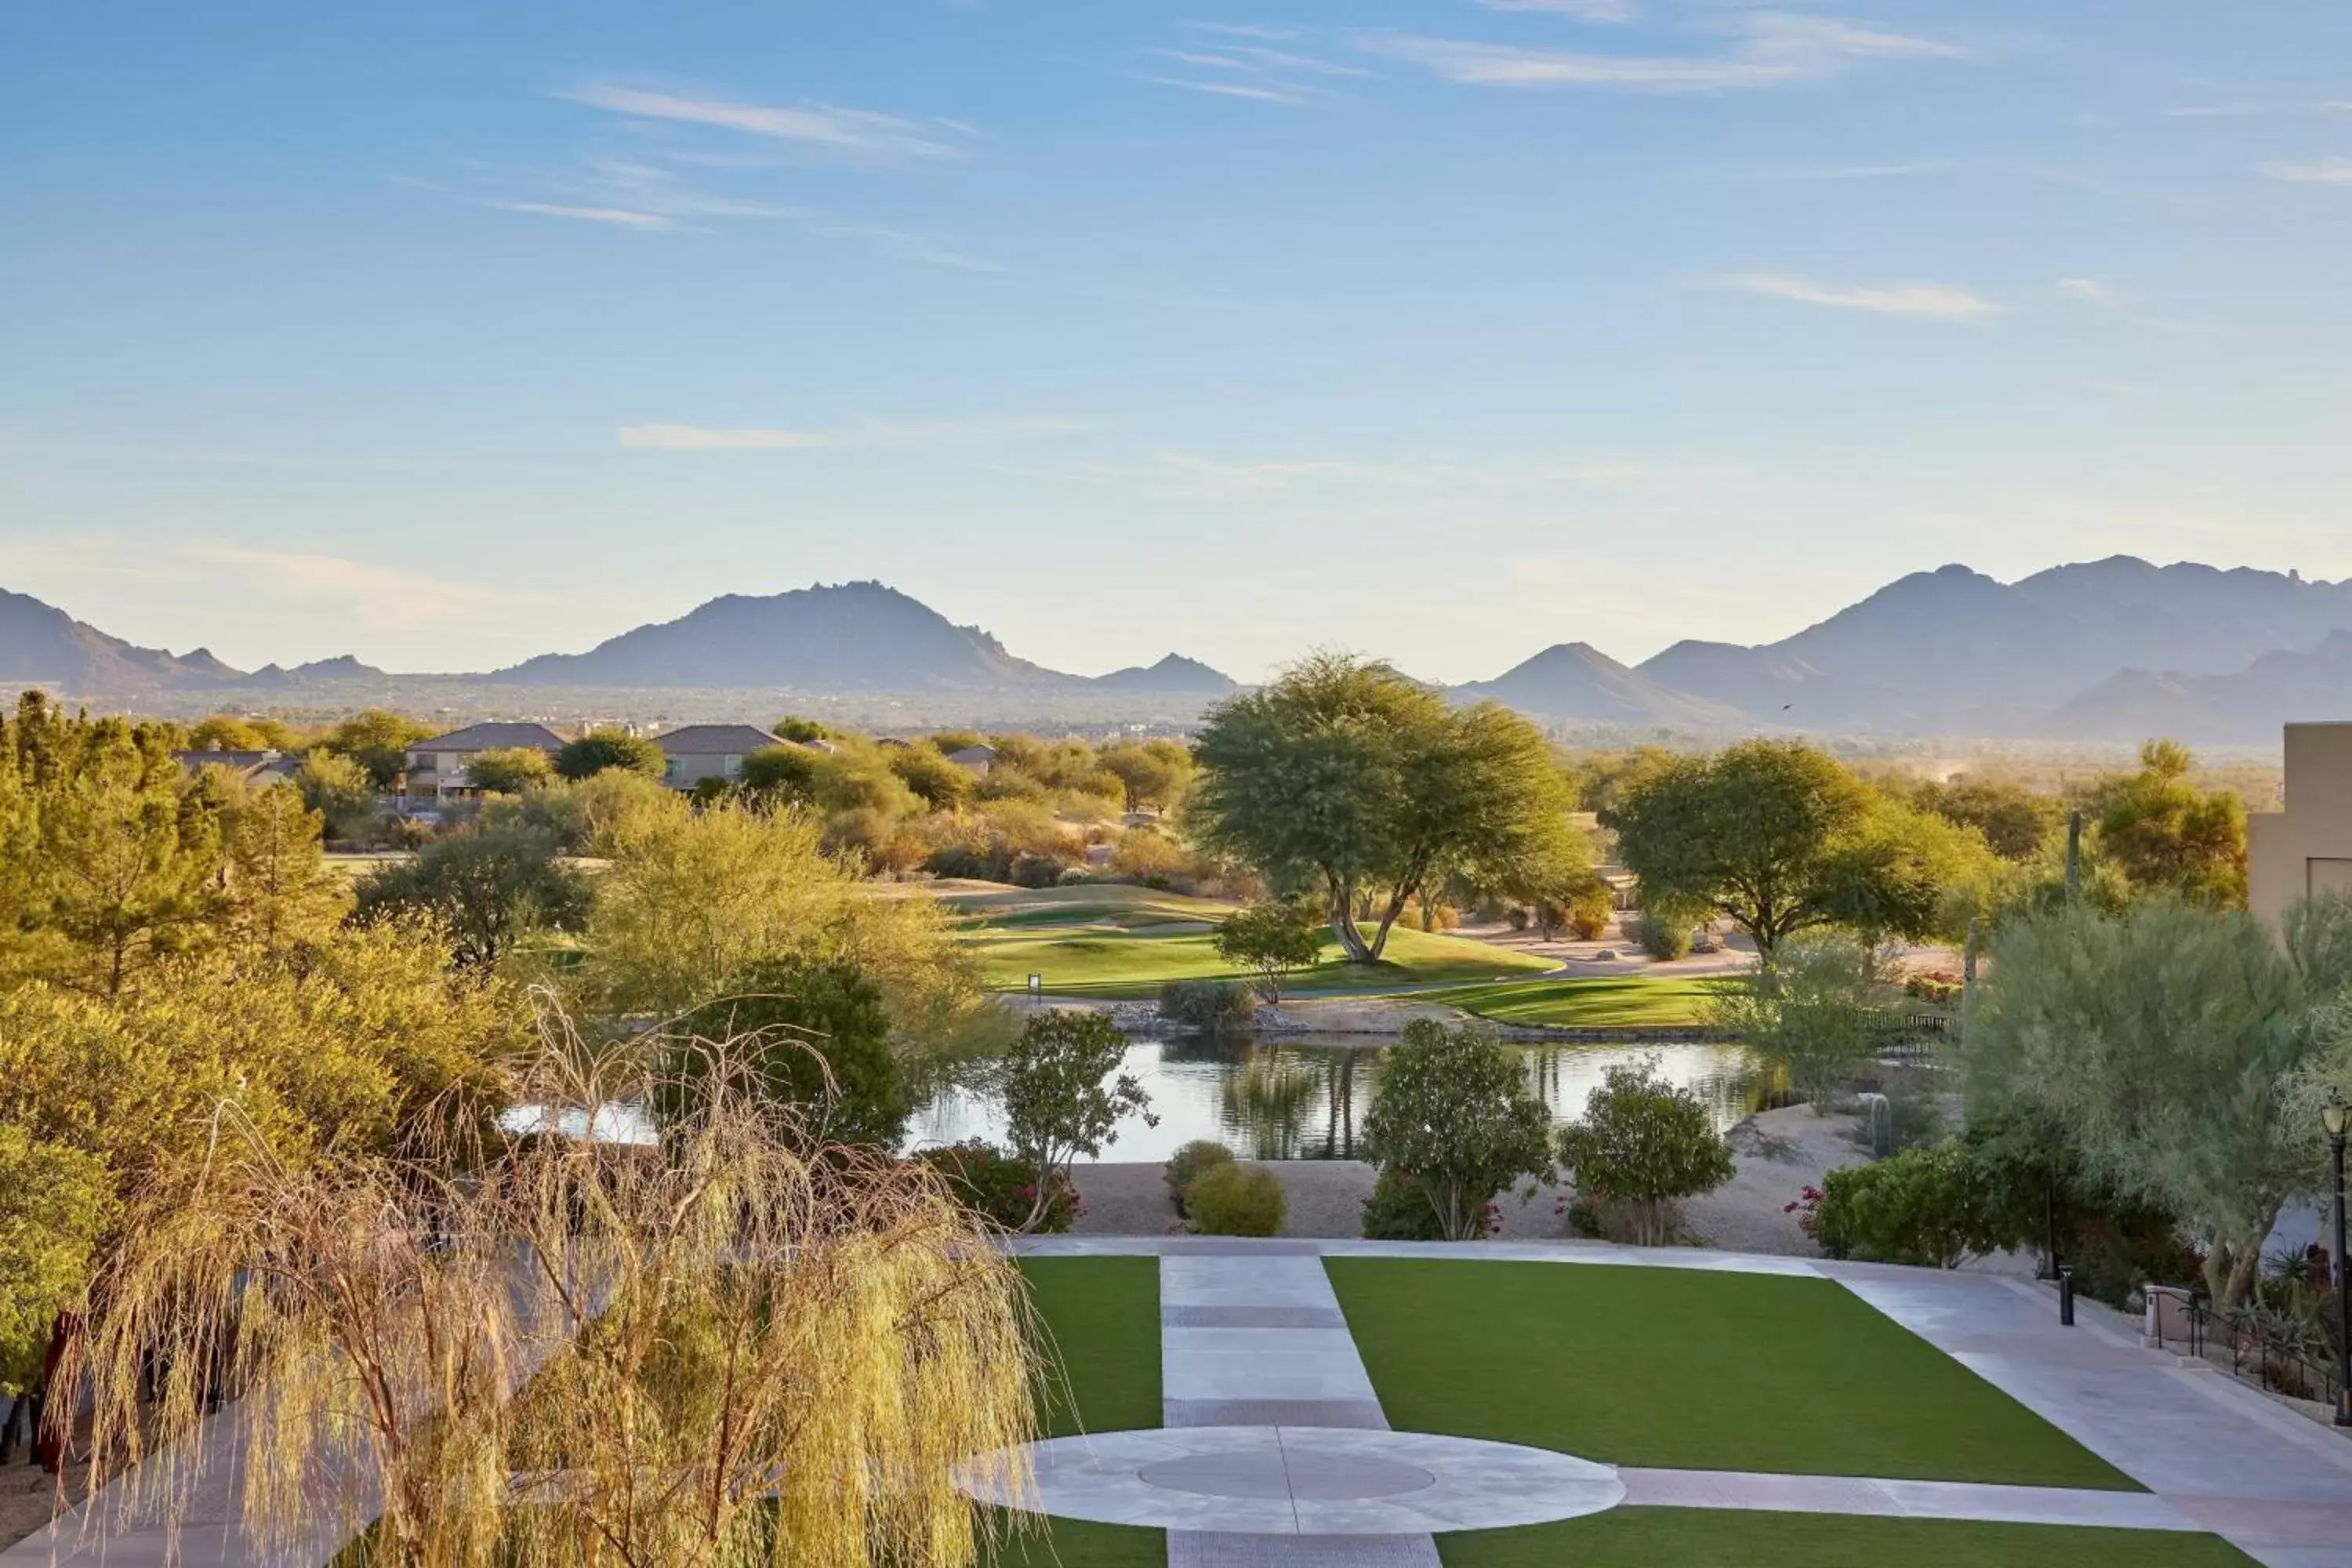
(1101, 1322)
(1694, 1538)
(1630, 1001)
(1075, 1543)
(1128, 962)
(1685, 1369)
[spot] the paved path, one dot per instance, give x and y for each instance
(1252, 1340)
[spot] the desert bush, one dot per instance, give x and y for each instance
(1590, 909)
(1662, 934)
(1931, 1205)
(1208, 1003)
(1003, 1187)
(1189, 1162)
(1234, 1199)
(1037, 870)
(1644, 1147)
(1143, 852)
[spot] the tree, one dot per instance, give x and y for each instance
(1064, 1095)
(815, 1036)
(340, 790)
(806, 731)
(787, 772)
(225, 732)
(1345, 778)
(276, 890)
(599, 749)
(941, 785)
(378, 741)
(2017, 822)
(2168, 836)
(1774, 835)
(488, 888)
(1816, 1016)
(1154, 773)
(55, 1204)
(1643, 1148)
(727, 1352)
(1453, 1114)
(508, 770)
(2164, 1042)
(1894, 873)
(1272, 939)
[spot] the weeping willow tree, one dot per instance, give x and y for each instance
(737, 1346)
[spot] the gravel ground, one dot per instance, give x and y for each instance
(1777, 1154)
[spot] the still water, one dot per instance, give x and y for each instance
(1303, 1097)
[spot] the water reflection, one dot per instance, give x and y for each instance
(1303, 1097)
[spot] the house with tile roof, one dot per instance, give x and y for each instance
(700, 751)
(436, 768)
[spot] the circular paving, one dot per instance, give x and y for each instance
(1298, 1480)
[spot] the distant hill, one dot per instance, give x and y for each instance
(40, 644)
(1577, 683)
(1175, 674)
(2244, 707)
(319, 671)
(852, 636)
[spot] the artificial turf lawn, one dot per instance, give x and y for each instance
(1075, 1543)
(1120, 961)
(1696, 1538)
(1101, 1320)
(1612, 1002)
(1688, 1369)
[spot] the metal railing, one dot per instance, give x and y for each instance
(2254, 1346)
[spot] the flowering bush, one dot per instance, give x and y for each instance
(1003, 1187)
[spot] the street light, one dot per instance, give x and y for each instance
(2336, 1116)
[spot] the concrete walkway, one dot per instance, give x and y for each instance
(1252, 1338)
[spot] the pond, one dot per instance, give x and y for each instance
(1303, 1097)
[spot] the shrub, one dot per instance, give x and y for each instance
(1644, 1147)
(600, 749)
(1140, 852)
(1002, 1187)
(1588, 909)
(1817, 1016)
(1234, 1199)
(1272, 939)
(1931, 1205)
(1036, 871)
(1187, 1164)
(1453, 1112)
(819, 1040)
(1208, 1003)
(1662, 934)
(1400, 1210)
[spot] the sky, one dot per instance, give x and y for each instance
(447, 333)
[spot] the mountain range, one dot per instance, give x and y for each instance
(2112, 649)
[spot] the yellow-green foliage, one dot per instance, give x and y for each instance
(738, 1347)
(1234, 1199)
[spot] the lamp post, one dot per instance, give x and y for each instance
(2336, 1116)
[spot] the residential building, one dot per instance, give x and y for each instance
(700, 751)
(255, 768)
(974, 760)
(436, 768)
(2307, 848)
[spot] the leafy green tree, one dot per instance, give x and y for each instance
(1453, 1115)
(508, 770)
(1895, 874)
(815, 1036)
(488, 888)
(340, 790)
(1782, 839)
(2164, 1042)
(599, 750)
(1153, 772)
(276, 892)
(1272, 939)
(225, 732)
(1817, 1016)
(787, 772)
(1348, 779)
(55, 1206)
(1644, 1147)
(806, 731)
(941, 784)
(378, 741)
(2171, 836)
(1064, 1095)
(2016, 822)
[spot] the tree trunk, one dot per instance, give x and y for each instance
(1343, 925)
(53, 1417)
(1388, 919)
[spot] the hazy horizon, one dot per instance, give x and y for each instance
(1447, 331)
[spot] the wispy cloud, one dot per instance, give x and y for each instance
(852, 130)
(1244, 30)
(1254, 91)
(896, 243)
(2312, 172)
(618, 217)
(872, 433)
(1582, 10)
(2091, 291)
(1228, 66)
(378, 597)
(2103, 296)
(1772, 49)
(1900, 300)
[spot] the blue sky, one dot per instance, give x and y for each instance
(448, 333)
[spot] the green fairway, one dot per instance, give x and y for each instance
(1101, 1322)
(1614, 1002)
(1694, 1538)
(1124, 959)
(1688, 1369)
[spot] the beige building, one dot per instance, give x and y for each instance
(436, 768)
(700, 751)
(2307, 848)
